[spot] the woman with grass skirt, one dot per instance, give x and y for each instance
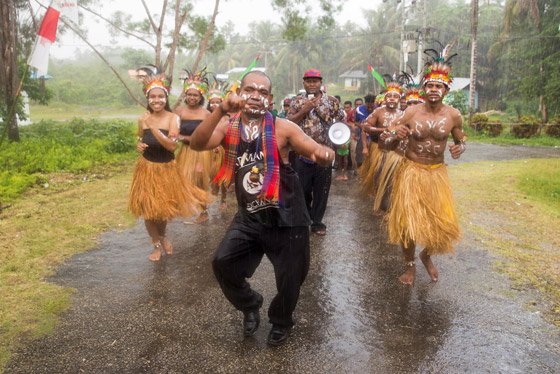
(195, 166)
(215, 97)
(158, 193)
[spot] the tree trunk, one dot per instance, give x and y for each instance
(202, 48)
(474, 30)
(9, 75)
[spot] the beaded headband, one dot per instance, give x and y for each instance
(197, 81)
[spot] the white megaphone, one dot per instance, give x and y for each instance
(339, 133)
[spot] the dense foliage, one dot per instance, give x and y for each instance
(48, 147)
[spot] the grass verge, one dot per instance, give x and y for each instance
(513, 208)
(42, 229)
(507, 138)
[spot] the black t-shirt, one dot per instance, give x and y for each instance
(155, 151)
(290, 212)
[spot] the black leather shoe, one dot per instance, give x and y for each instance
(278, 335)
(251, 321)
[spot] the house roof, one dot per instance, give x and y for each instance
(241, 70)
(353, 74)
(459, 84)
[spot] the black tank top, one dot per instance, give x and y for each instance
(155, 151)
(188, 126)
(290, 212)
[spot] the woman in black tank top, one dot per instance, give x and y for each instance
(158, 193)
(193, 166)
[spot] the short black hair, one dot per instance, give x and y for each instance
(338, 97)
(347, 102)
(259, 73)
(369, 98)
(359, 98)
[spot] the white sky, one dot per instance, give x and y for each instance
(240, 12)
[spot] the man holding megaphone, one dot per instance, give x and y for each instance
(315, 112)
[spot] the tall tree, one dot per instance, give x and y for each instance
(474, 31)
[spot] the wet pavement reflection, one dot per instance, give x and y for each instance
(132, 316)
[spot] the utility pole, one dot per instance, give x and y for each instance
(401, 60)
(419, 68)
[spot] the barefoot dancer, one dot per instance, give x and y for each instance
(193, 165)
(158, 193)
(272, 218)
(215, 97)
(380, 120)
(422, 201)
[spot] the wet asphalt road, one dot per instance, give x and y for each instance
(132, 316)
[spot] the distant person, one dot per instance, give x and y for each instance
(422, 212)
(158, 193)
(362, 150)
(215, 97)
(285, 107)
(314, 112)
(338, 98)
(193, 165)
(272, 219)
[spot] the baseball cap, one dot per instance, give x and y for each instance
(287, 102)
(312, 73)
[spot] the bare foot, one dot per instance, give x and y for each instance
(167, 246)
(203, 217)
(156, 254)
(408, 276)
(427, 261)
(339, 178)
(223, 205)
(378, 212)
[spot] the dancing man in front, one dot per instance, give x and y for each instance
(272, 217)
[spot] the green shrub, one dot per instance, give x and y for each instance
(552, 130)
(479, 122)
(529, 126)
(76, 147)
(494, 128)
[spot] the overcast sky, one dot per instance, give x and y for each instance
(240, 12)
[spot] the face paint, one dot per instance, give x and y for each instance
(161, 100)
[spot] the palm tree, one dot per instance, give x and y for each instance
(375, 44)
(474, 30)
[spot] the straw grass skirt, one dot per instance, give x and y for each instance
(159, 193)
(422, 208)
(385, 180)
(368, 183)
(195, 166)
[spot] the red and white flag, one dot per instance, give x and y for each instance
(39, 58)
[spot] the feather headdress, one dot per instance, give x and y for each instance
(198, 81)
(439, 68)
(218, 90)
(392, 84)
(412, 90)
(152, 77)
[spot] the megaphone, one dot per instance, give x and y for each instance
(339, 133)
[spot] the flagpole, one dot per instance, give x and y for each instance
(13, 108)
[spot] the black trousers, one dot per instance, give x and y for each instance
(316, 182)
(241, 252)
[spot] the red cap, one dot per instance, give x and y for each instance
(312, 73)
(287, 101)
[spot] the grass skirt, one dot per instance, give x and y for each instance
(195, 166)
(422, 208)
(385, 180)
(159, 193)
(363, 170)
(217, 161)
(369, 181)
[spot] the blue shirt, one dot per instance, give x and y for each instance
(361, 115)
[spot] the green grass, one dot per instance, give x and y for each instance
(511, 208)
(78, 146)
(42, 229)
